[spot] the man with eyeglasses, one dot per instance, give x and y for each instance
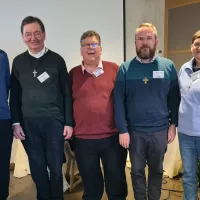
(96, 137)
(5, 126)
(189, 118)
(146, 97)
(41, 108)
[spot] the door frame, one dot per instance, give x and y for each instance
(169, 4)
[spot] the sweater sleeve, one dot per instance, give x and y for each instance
(119, 101)
(7, 72)
(173, 98)
(66, 91)
(15, 95)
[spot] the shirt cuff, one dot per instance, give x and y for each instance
(17, 123)
(123, 130)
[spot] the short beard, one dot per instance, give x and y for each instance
(146, 55)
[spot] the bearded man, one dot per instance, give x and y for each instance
(146, 101)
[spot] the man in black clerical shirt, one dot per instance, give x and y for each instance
(41, 108)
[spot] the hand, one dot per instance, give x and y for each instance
(171, 133)
(124, 140)
(18, 132)
(68, 130)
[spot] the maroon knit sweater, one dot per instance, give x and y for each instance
(93, 102)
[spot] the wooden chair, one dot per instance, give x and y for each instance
(72, 173)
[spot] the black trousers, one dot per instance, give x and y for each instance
(5, 152)
(147, 148)
(44, 145)
(88, 153)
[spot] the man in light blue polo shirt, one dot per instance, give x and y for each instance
(189, 120)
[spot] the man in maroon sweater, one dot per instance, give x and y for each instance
(96, 137)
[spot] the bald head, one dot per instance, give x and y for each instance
(147, 27)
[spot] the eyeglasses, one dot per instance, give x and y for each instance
(88, 45)
(29, 35)
(196, 45)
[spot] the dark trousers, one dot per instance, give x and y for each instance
(44, 145)
(88, 153)
(147, 148)
(5, 152)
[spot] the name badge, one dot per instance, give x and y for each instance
(98, 72)
(158, 74)
(43, 77)
(195, 75)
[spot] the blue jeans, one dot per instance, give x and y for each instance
(190, 153)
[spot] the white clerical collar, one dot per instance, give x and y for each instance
(39, 54)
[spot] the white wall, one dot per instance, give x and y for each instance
(139, 11)
(65, 21)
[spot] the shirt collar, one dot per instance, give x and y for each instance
(39, 54)
(100, 65)
(140, 60)
(189, 66)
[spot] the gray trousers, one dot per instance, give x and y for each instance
(147, 148)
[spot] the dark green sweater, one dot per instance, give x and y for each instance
(146, 107)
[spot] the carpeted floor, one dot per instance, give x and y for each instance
(24, 189)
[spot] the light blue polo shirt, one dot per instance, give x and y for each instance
(189, 110)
